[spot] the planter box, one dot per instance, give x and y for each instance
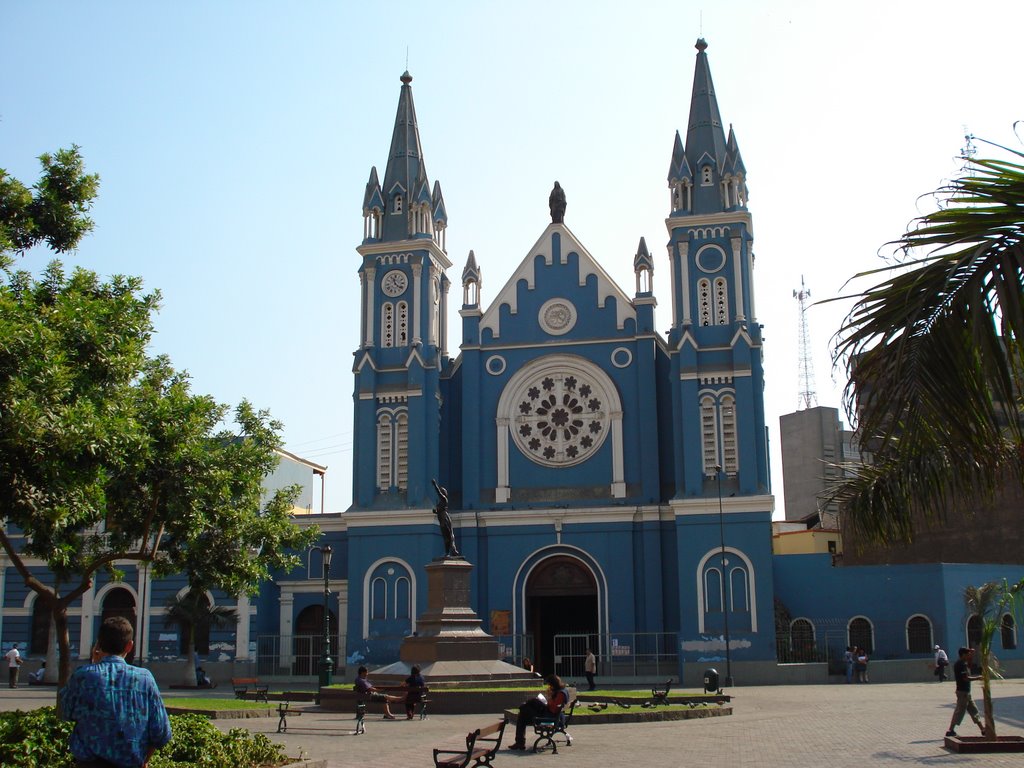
(977, 744)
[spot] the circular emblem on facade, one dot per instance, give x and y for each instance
(495, 365)
(394, 282)
(710, 258)
(561, 417)
(557, 316)
(621, 357)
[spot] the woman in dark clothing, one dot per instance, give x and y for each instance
(415, 683)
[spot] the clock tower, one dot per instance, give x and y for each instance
(402, 327)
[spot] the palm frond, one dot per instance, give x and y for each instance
(934, 357)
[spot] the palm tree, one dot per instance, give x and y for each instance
(934, 357)
(190, 613)
(989, 603)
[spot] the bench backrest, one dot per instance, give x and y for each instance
(487, 735)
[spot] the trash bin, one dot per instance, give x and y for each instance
(711, 680)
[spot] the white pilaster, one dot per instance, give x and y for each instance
(242, 631)
(285, 651)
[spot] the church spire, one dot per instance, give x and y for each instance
(705, 138)
(405, 189)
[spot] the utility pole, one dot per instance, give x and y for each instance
(805, 370)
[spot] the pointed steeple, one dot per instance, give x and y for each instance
(406, 173)
(373, 208)
(705, 137)
(733, 159)
(440, 213)
(680, 168)
(471, 283)
(643, 268)
(643, 257)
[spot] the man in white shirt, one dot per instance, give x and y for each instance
(941, 662)
(13, 663)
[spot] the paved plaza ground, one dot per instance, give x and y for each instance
(806, 725)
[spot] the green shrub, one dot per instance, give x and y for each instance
(37, 739)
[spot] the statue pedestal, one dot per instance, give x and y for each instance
(449, 644)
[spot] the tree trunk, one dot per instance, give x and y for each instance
(189, 676)
(60, 624)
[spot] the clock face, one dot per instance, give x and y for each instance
(394, 283)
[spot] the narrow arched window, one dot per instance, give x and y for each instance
(704, 301)
(379, 599)
(387, 325)
(402, 326)
(919, 634)
(712, 590)
(709, 434)
(1008, 632)
(396, 206)
(705, 175)
(730, 455)
(861, 634)
(721, 301)
(402, 598)
(974, 630)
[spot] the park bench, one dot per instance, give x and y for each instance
(553, 724)
(481, 747)
(241, 686)
(284, 710)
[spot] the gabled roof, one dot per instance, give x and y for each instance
(606, 286)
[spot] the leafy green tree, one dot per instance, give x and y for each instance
(53, 212)
(934, 358)
(192, 613)
(107, 456)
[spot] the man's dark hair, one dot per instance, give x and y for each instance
(963, 651)
(361, 671)
(115, 634)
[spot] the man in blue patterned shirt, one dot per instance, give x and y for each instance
(119, 716)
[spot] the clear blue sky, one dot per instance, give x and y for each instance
(234, 140)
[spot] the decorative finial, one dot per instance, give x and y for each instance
(556, 203)
(701, 45)
(406, 77)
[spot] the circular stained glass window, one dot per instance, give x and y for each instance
(561, 417)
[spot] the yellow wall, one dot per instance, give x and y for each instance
(805, 542)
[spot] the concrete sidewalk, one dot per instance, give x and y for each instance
(839, 726)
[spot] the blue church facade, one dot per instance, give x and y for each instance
(594, 466)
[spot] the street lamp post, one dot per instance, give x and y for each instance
(326, 663)
(725, 580)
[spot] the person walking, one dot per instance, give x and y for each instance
(590, 669)
(964, 703)
(941, 662)
(119, 715)
(14, 662)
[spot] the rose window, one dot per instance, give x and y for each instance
(560, 418)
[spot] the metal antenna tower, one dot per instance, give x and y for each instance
(808, 398)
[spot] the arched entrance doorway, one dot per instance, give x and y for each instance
(120, 602)
(561, 599)
(308, 642)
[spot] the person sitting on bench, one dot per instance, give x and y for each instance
(365, 689)
(556, 697)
